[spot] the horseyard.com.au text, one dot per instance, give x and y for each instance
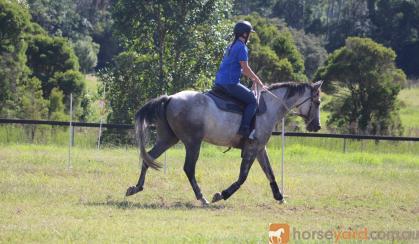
(359, 234)
(282, 233)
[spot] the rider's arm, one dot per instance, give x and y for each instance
(248, 72)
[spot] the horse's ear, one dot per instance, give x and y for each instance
(317, 85)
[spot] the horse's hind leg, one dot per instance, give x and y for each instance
(155, 152)
(266, 167)
(192, 154)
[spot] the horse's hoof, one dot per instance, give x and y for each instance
(282, 201)
(132, 190)
(217, 197)
(204, 202)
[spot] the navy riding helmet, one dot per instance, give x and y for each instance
(242, 27)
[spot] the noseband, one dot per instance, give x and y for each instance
(311, 98)
(305, 117)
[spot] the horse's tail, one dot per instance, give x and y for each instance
(150, 113)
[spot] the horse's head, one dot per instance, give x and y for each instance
(309, 106)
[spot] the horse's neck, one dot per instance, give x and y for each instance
(278, 101)
(290, 102)
(275, 108)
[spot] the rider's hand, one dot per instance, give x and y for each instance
(262, 86)
(258, 84)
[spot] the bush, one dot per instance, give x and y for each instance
(70, 82)
(86, 51)
(273, 53)
(47, 56)
(56, 105)
(366, 82)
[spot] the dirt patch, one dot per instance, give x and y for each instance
(125, 204)
(415, 210)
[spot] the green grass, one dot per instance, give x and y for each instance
(409, 113)
(91, 83)
(96, 112)
(45, 134)
(44, 201)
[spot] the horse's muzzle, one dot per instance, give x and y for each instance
(313, 128)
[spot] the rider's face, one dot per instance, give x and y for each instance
(247, 37)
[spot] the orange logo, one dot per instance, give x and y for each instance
(279, 233)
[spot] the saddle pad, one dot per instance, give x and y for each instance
(229, 104)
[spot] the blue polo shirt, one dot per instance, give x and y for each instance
(230, 70)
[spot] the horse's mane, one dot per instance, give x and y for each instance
(293, 87)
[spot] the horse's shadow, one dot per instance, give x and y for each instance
(124, 204)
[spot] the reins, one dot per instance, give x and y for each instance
(286, 106)
(277, 98)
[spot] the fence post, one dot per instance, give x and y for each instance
(100, 133)
(102, 111)
(362, 146)
(344, 145)
(71, 131)
(72, 135)
(282, 159)
(7, 134)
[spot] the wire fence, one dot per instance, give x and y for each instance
(128, 126)
(123, 135)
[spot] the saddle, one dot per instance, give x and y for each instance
(228, 103)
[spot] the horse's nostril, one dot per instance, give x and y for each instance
(313, 127)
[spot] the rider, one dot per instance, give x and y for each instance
(234, 63)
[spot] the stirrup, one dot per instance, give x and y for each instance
(252, 135)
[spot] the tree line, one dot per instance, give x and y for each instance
(140, 50)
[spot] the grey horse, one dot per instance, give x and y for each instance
(193, 117)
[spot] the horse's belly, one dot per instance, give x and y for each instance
(191, 113)
(221, 128)
(223, 141)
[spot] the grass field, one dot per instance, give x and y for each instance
(44, 201)
(409, 113)
(373, 185)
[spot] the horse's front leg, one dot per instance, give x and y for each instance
(267, 169)
(249, 157)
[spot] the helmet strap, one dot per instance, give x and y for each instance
(246, 37)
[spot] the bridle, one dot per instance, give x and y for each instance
(313, 95)
(311, 98)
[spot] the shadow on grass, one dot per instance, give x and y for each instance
(124, 204)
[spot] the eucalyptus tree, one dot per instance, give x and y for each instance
(365, 82)
(185, 36)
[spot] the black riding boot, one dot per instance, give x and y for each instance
(244, 131)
